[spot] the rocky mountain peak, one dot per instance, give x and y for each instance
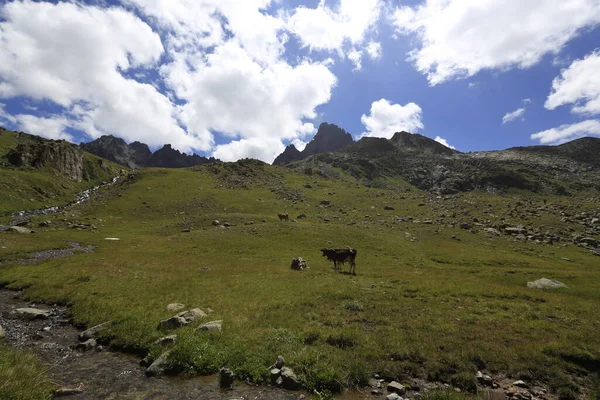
(290, 154)
(415, 141)
(329, 137)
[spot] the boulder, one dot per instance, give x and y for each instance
(280, 363)
(298, 264)
(275, 373)
(20, 229)
(31, 313)
(91, 333)
(181, 319)
(393, 396)
(211, 326)
(289, 379)
(520, 384)
(545, 284)
(396, 387)
(159, 366)
(226, 378)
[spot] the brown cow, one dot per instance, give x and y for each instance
(340, 256)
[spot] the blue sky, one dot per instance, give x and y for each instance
(234, 80)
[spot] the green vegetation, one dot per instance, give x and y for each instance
(22, 376)
(423, 304)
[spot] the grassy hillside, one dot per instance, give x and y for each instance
(31, 188)
(429, 299)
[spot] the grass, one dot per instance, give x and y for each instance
(428, 307)
(22, 376)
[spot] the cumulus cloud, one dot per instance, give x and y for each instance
(5, 117)
(385, 119)
(443, 141)
(355, 57)
(324, 28)
(374, 50)
(579, 85)
(511, 116)
(51, 128)
(459, 38)
(565, 133)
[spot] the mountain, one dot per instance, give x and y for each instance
(420, 142)
(138, 155)
(329, 138)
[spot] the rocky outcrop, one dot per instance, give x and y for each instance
(138, 155)
(329, 138)
(420, 142)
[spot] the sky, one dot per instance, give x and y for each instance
(244, 78)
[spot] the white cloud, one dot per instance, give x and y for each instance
(526, 101)
(511, 116)
(578, 85)
(459, 38)
(443, 141)
(51, 128)
(5, 116)
(324, 28)
(264, 149)
(355, 57)
(566, 133)
(374, 50)
(386, 119)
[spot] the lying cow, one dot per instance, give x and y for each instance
(283, 216)
(340, 256)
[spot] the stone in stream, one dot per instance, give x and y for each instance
(91, 333)
(226, 378)
(181, 319)
(31, 313)
(159, 366)
(211, 326)
(87, 345)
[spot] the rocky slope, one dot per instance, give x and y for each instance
(329, 138)
(137, 155)
(431, 166)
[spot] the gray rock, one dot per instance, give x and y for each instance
(31, 313)
(520, 384)
(175, 307)
(87, 345)
(211, 326)
(159, 366)
(289, 379)
(171, 323)
(545, 284)
(216, 223)
(275, 374)
(226, 378)
(66, 391)
(93, 331)
(393, 396)
(389, 208)
(325, 202)
(515, 230)
(492, 231)
(396, 387)
(166, 339)
(280, 363)
(192, 315)
(20, 229)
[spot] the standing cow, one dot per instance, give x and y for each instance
(340, 256)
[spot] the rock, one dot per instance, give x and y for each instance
(31, 313)
(389, 208)
(289, 379)
(44, 224)
(159, 366)
(87, 345)
(376, 392)
(211, 326)
(590, 242)
(595, 221)
(181, 319)
(226, 378)
(66, 391)
(492, 231)
(511, 230)
(186, 230)
(301, 216)
(2, 333)
(275, 374)
(216, 223)
(486, 380)
(325, 202)
(545, 284)
(465, 226)
(393, 396)
(520, 384)
(395, 387)
(280, 363)
(20, 229)
(91, 333)
(298, 264)
(166, 339)
(112, 239)
(175, 307)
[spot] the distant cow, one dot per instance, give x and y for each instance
(283, 216)
(340, 256)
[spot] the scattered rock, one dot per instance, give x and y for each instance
(298, 264)
(216, 223)
(492, 231)
(166, 339)
(181, 319)
(275, 374)
(395, 387)
(512, 230)
(20, 229)
(159, 366)
(31, 313)
(545, 284)
(91, 333)
(186, 230)
(226, 378)
(465, 226)
(175, 307)
(280, 363)
(301, 216)
(389, 208)
(393, 396)
(87, 345)
(66, 391)
(211, 326)
(289, 379)
(520, 384)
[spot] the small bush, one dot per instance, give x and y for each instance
(353, 305)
